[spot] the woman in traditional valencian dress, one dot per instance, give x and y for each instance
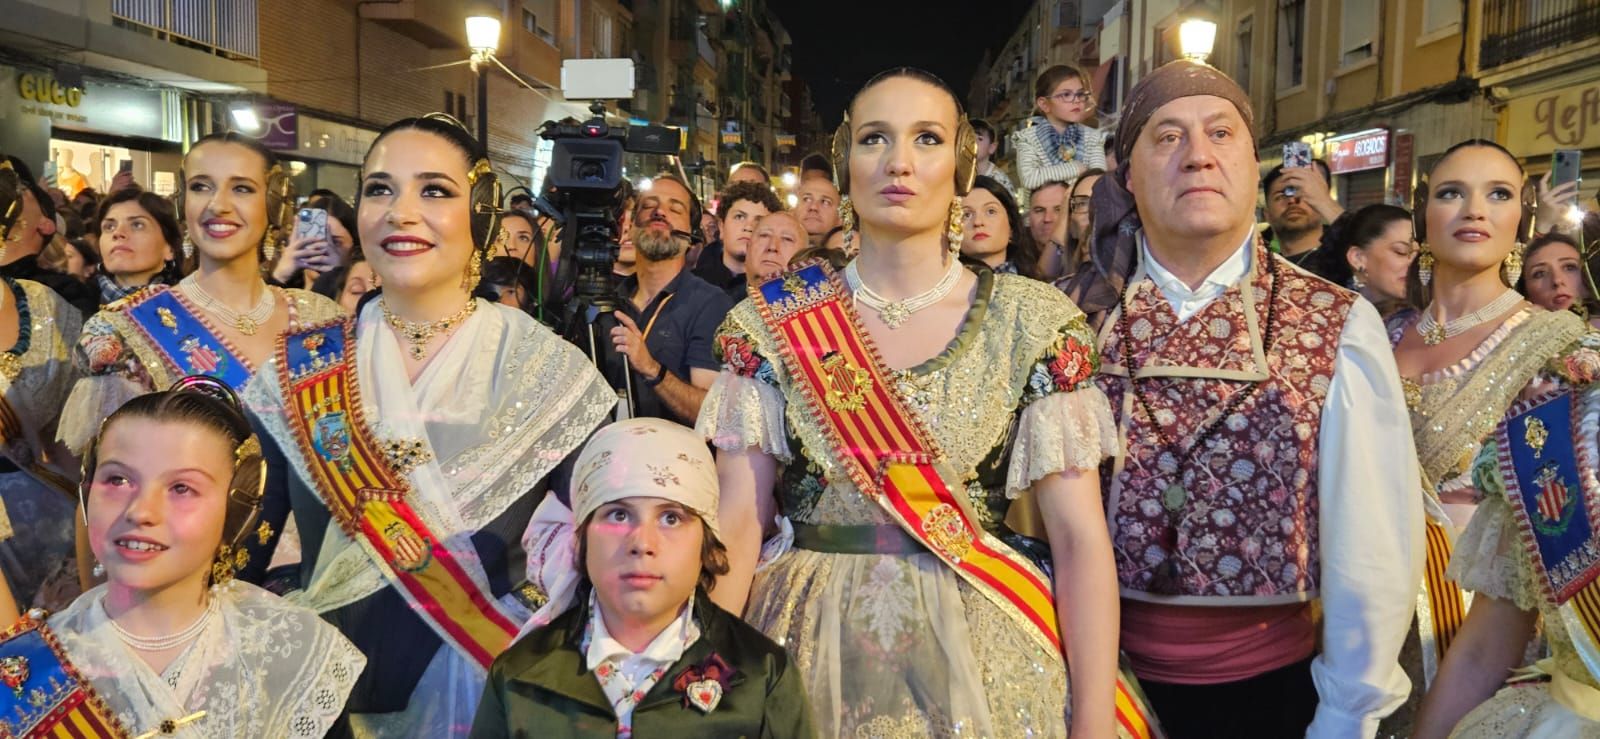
(1479, 353)
(412, 441)
(967, 389)
(1463, 359)
(220, 321)
(170, 645)
(37, 476)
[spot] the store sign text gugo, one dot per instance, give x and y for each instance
(41, 89)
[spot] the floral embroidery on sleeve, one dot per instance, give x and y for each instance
(1580, 364)
(737, 353)
(102, 347)
(1069, 364)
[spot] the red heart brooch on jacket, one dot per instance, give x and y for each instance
(703, 684)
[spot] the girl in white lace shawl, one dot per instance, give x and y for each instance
(173, 488)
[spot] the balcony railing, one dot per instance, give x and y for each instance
(1513, 29)
(223, 26)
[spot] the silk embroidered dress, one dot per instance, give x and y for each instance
(1535, 542)
(145, 342)
(259, 668)
(1453, 410)
(410, 496)
(38, 495)
(888, 639)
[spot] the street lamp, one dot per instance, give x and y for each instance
(483, 38)
(1196, 37)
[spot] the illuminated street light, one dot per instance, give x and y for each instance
(483, 35)
(789, 179)
(1196, 37)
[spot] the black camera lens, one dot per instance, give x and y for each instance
(589, 170)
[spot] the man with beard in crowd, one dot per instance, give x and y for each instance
(1299, 209)
(669, 317)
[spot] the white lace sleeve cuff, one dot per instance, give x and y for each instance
(1059, 432)
(1489, 557)
(741, 412)
(323, 701)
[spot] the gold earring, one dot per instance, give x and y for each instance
(1425, 266)
(188, 248)
(1512, 266)
(474, 273)
(228, 563)
(269, 246)
(952, 226)
(847, 214)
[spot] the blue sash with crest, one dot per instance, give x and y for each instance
(184, 340)
(1546, 453)
(42, 694)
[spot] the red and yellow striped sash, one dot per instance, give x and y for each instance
(1448, 607)
(368, 498)
(892, 459)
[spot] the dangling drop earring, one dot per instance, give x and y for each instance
(1425, 266)
(1512, 267)
(188, 248)
(952, 226)
(99, 570)
(474, 273)
(1358, 279)
(269, 247)
(847, 221)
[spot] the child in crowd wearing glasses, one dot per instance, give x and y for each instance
(1057, 144)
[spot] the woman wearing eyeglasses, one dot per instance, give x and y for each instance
(1057, 144)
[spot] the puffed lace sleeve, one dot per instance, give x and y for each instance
(744, 407)
(111, 376)
(1489, 557)
(1066, 422)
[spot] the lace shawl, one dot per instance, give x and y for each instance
(263, 669)
(502, 403)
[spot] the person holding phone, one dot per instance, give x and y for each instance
(317, 250)
(1559, 194)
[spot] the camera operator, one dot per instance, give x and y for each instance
(669, 317)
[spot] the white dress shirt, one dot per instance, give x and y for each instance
(1370, 516)
(634, 668)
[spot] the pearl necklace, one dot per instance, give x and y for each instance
(419, 333)
(246, 323)
(895, 312)
(163, 643)
(1434, 334)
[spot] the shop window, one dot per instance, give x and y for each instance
(1291, 43)
(1438, 15)
(1358, 26)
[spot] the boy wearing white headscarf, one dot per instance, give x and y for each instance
(632, 643)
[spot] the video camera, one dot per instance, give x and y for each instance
(583, 187)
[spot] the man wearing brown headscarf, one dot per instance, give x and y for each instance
(1268, 458)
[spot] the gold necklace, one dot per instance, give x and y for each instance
(246, 323)
(419, 333)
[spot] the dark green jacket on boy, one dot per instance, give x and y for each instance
(541, 687)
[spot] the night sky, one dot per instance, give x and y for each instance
(838, 44)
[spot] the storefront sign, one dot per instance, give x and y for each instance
(325, 140)
(1568, 118)
(279, 125)
(786, 140)
(118, 110)
(730, 134)
(1405, 145)
(1358, 151)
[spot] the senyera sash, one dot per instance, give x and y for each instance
(369, 499)
(1441, 604)
(1548, 461)
(42, 694)
(892, 459)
